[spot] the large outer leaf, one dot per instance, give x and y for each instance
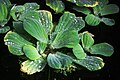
(92, 63)
(66, 39)
(92, 20)
(87, 40)
(57, 5)
(104, 49)
(46, 20)
(35, 28)
(109, 9)
(31, 52)
(79, 52)
(4, 29)
(31, 67)
(107, 21)
(68, 21)
(15, 43)
(59, 60)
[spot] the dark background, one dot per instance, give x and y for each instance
(9, 66)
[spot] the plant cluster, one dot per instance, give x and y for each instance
(37, 41)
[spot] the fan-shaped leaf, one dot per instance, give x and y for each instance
(92, 63)
(66, 39)
(104, 49)
(59, 60)
(79, 52)
(107, 21)
(15, 43)
(4, 29)
(31, 67)
(35, 28)
(57, 5)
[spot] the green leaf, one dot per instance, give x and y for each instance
(79, 52)
(104, 49)
(5, 2)
(41, 46)
(31, 67)
(68, 21)
(107, 21)
(59, 60)
(31, 6)
(31, 52)
(92, 20)
(66, 39)
(83, 10)
(109, 9)
(57, 5)
(35, 28)
(46, 20)
(87, 40)
(103, 2)
(92, 63)
(15, 43)
(73, 1)
(4, 29)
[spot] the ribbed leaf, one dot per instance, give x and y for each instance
(46, 20)
(107, 21)
(15, 43)
(59, 60)
(31, 52)
(66, 39)
(109, 9)
(5, 2)
(57, 5)
(31, 6)
(92, 63)
(35, 28)
(4, 29)
(87, 40)
(41, 46)
(31, 67)
(68, 21)
(92, 20)
(79, 52)
(104, 49)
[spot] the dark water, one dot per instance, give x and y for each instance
(9, 67)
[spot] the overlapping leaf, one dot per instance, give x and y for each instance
(4, 29)
(31, 6)
(41, 46)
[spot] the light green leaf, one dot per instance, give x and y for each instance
(87, 40)
(79, 52)
(66, 39)
(109, 9)
(31, 67)
(5, 2)
(73, 1)
(31, 52)
(68, 21)
(46, 20)
(92, 20)
(107, 21)
(59, 60)
(41, 46)
(4, 29)
(57, 5)
(35, 28)
(15, 43)
(104, 49)
(92, 63)
(31, 6)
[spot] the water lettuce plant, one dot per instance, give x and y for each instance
(39, 42)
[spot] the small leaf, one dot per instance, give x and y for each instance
(107, 21)
(57, 5)
(31, 52)
(68, 21)
(31, 67)
(5, 2)
(31, 6)
(92, 20)
(66, 39)
(35, 28)
(15, 43)
(41, 46)
(4, 29)
(87, 40)
(104, 49)
(79, 52)
(59, 60)
(109, 9)
(92, 63)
